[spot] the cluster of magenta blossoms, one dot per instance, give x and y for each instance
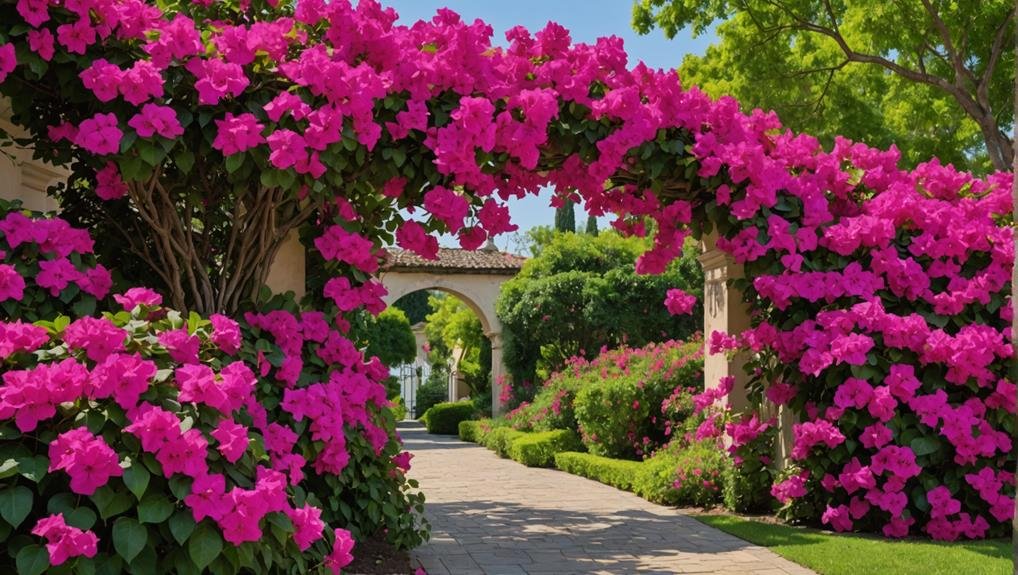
(122, 423)
(857, 266)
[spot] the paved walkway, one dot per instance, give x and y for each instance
(494, 516)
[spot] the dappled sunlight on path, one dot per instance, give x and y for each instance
(496, 517)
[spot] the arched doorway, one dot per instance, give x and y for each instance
(474, 277)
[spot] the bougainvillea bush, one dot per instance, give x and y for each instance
(141, 439)
(879, 294)
(625, 402)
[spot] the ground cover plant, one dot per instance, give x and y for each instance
(879, 321)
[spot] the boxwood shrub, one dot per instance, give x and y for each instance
(444, 418)
(539, 449)
(469, 430)
(619, 473)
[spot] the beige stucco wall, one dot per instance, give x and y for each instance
(21, 177)
(288, 268)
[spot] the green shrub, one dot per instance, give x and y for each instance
(618, 473)
(539, 449)
(398, 408)
(501, 439)
(619, 413)
(445, 418)
(431, 392)
(699, 473)
(656, 479)
(747, 486)
(468, 430)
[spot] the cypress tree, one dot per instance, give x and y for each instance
(565, 218)
(592, 226)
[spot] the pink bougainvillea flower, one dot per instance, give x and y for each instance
(100, 134)
(448, 206)
(182, 346)
(8, 60)
(237, 134)
(141, 82)
(412, 236)
(64, 541)
(86, 458)
(99, 337)
(12, 285)
(18, 337)
(342, 552)
(679, 302)
(307, 525)
(109, 184)
(232, 438)
(35, 12)
(225, 333)
(42, 43)
(101, 78)
(136, 296)
(76, 37)
(153, 119)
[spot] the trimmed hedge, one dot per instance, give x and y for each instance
(444, 418)
(469, 430)
(539, 449)
(500, 439)
(619, 473)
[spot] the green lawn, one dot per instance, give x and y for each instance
(832, 554)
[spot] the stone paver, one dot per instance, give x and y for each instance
(492, 516)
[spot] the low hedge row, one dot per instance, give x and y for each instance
(469, 430)
(539, 449)
(444, 418)
(690, 476)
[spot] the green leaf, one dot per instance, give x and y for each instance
(33, 468)
(204, 546)
(110, 503)
(136, 478)
(81, 517)
(924, 445)
(32, 560)
(184, 159)
(181, 526)
(234, 162)
(129, 537)
(8, 467)
(15, 504)
(155, 508)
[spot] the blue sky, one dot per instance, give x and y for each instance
(587, 20)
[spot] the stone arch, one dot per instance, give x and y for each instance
(475, 277)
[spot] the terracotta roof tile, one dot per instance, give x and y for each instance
(456, 260)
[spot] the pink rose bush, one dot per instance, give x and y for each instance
(139, 419)
(855, 266)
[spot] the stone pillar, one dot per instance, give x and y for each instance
(22, 177)
(287, 271)
(497, 373)
(724, 311)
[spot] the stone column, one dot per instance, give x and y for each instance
(287, 271)
(497, 373)
(724, 311)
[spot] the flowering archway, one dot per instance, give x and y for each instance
(213, 129)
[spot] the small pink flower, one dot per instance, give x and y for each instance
(341, 554)
(679, 302)
(100, 134)
(154, 119)
(63, 541)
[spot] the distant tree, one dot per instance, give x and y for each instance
(415, 306)
(454, 325)
(388, 336)
(565, 217)
(582, 293)
(592, 225)
(933, 77)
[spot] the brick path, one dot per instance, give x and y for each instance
(496, 517)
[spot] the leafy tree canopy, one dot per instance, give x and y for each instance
(388, 336)
(453, 325)
(932, 77)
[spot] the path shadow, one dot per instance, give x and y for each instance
(416, 438)
(503, 537)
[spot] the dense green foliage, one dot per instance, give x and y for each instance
(539, 449)
(386, 335)
(933, 79)
(591, 226)
(444, 418)
(581, 293)
(415, 305)
(432, 392)
(454, 325)
(468, 430)
(618, 473)
(843, 554)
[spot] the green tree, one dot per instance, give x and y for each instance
(454, 325)
(933, 77)
(388, 336)
(592, 226)
(415, 305)
(582, 293)
(565, 217)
